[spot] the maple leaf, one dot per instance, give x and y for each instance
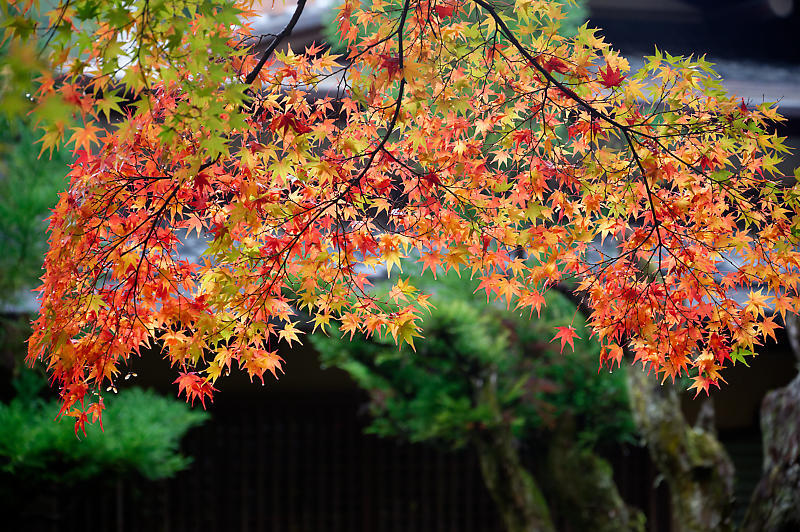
(757, 302)
(405, 331)
(610, 355)
(768, 327)
(431, 179)
(288, 122)
(81, 156)
(611, 77)
(80, 421)
(738, 355)
(485, 241)
(401, 290)
(391, 252)
(430, 261)
(321, 320)
(444, 10)
(391, 64)
(195, 387)
(108, 104)
(533, 300)
(96, 411)
(350, 324)
(84, 137)
(566, 335)
(702, 383)
(552, 63)
(289, 334)
(259, 361)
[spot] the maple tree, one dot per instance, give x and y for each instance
(469, 133)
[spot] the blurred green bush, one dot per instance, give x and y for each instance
(433, 394)
(29, 187)
(141, 436)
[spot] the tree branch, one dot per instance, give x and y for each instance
(574, 297)
(279, 38)
(547, 75)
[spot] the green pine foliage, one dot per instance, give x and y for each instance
(433, 394)
(142, 433)
(29, 187)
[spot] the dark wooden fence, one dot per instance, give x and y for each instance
(283, 465)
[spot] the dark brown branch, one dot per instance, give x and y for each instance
(279, 38)
(544, 72)
(574, 297)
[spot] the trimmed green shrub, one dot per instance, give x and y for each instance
(142, 433)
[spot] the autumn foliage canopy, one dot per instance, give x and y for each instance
(464, 134)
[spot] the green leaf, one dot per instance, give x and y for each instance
(739, 354)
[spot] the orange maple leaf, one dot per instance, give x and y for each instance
(566, 335)
(195, 387)
(85, 137)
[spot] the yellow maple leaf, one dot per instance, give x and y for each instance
(391, 251)
(289, 334)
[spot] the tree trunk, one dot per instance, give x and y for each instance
(584, 485)
(775, 505)
(691, 460)
(516, 495)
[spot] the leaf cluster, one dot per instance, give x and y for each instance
(472, 133)
(575, 14)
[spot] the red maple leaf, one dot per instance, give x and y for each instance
(743, 107)
(485, 241)
(445, 10)
(81, 156)
(301, 126)
(96, 410)
(289, 121)
(431, 179)
(553, 63)
(702, 382)
(80, 421)
(520, 136)
(611, 77)
(391, 63)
